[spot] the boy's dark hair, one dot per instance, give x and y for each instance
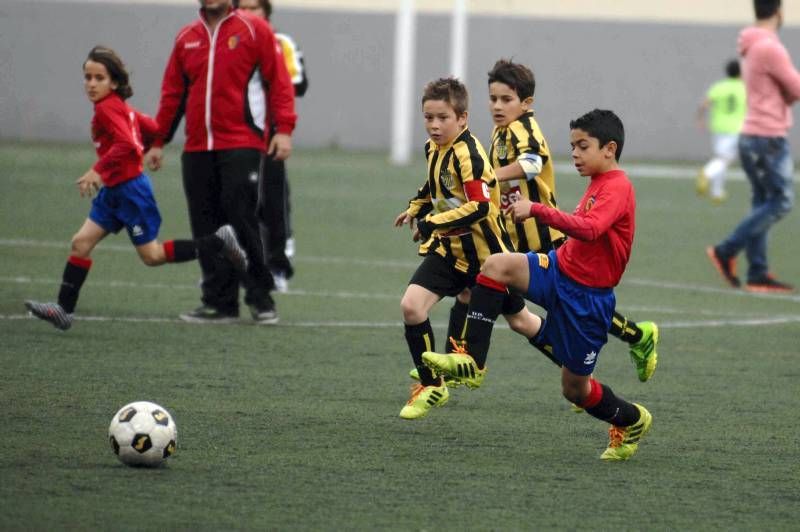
(116, 69)
(766, 8)
(517, 76)
(265, 5)
(603, 125)
(732, 69)
(449, 90)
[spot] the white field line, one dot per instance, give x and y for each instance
(341, 294)
(718, 322)
(746, 322)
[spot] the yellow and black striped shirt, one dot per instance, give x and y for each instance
(465, 231)
(520, 137)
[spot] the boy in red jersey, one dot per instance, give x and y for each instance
(125, 196)
(574, 283)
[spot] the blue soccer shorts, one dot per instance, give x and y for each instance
(578, 317)
(131, 205)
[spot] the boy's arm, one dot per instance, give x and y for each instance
(420, 205)
(123, 141)
(280, 97)
(295, 64)
(589, 225)
(148, 127)
(531, 156)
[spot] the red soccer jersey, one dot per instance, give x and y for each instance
(119, 133)
(600, 229)
(209, 74)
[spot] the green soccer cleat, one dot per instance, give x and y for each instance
(423, 398)
(643, 353)
(460, 366)
(448, 380)
(625, 440)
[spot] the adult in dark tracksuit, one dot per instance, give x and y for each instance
(207, 78)
(274, 208)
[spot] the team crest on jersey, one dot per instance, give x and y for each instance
(501, 150)
(446, 178)
(233, 42)
(589, 204)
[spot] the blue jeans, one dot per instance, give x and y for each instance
(769, 168)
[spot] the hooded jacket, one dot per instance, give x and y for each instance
(771, 80)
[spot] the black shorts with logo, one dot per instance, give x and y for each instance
(436, 275)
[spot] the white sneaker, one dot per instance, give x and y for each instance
(281, 283)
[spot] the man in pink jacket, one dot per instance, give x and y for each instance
(773, 85)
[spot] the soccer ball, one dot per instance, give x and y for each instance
(143, 434)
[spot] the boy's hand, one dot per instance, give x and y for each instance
(520, 210)
(154, 158)
(89, 183)
(403, 219)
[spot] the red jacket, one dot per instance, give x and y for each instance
(120, 134)
(600, 229)
(222, 63)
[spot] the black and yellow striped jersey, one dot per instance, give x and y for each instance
(461, 200)
(519, 139)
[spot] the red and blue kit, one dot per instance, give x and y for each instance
(600, 229)
(207, 76)
(575, 283)
(120, 134)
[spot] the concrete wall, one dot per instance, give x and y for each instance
(652, 74)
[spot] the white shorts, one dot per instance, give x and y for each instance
(726, 145)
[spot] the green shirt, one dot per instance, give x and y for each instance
(728, 106)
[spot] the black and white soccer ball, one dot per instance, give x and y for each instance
(143, 434)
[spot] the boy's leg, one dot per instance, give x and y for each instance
(642, 338)
(75, 272)
(630, 422)
(273, 214)
(486, 303)
(458, 318)
(223, 242)
(431, 391)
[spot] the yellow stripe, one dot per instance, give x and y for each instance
(426, 337)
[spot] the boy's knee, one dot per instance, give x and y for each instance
(150, 260)
(411, 311)
(493, 267)
(80, 246)
(573, 394)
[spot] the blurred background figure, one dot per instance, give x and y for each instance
(724, 106)
(274, 208)
(773, 85)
